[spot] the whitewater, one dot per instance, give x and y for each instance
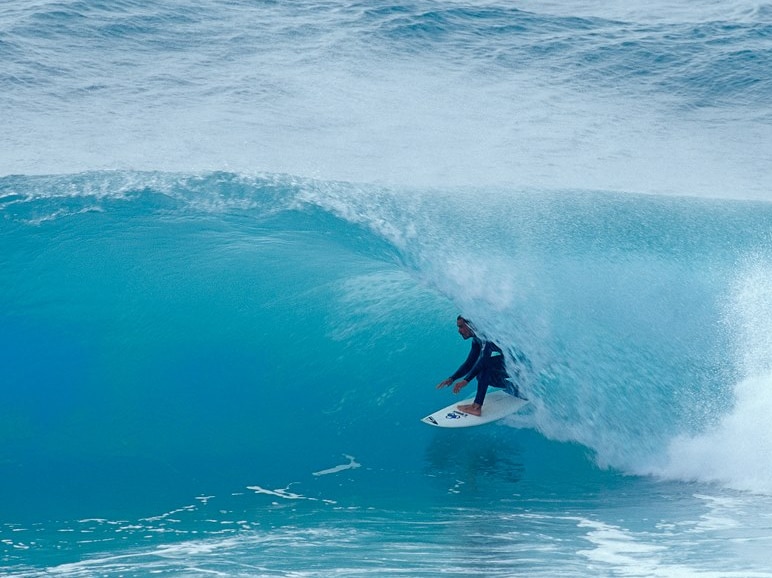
(235, 236)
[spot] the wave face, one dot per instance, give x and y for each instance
(167, 315)
(246, 343)
(234, 238)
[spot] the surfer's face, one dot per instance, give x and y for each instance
(463, 329)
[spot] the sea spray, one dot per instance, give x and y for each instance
(736, 447)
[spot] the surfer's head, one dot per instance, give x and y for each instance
(465, 327)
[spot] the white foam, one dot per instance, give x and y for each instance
(628, 553)
(279, 493)
(334, 470)
(738, 451)
(285, 494)
(620, 548)
(169, 514)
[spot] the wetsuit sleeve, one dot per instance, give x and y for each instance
(472, 360)
(483, 355)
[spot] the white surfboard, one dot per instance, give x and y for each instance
(498, 404)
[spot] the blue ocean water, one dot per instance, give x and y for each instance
(234, 238)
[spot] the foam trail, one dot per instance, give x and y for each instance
(352, 465)
(286, 494)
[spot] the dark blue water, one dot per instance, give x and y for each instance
(234, 240)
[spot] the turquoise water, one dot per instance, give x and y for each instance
(203, 371)
(235, 239)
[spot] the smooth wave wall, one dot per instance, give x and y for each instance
(161, 316)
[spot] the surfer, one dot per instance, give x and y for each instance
(485, 362)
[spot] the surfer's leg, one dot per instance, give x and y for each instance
(475, 408)
(482, 389)
(502, 380)
(471, 408)
(512, 389)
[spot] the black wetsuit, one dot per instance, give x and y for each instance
(486, 363)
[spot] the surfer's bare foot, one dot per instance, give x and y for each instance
(471, 408)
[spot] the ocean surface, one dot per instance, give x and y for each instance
(235, 236)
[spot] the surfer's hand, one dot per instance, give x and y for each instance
(460, 385)
(444, 383)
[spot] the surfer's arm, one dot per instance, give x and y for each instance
(483, 353)
(472, 358)
(472, 361)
